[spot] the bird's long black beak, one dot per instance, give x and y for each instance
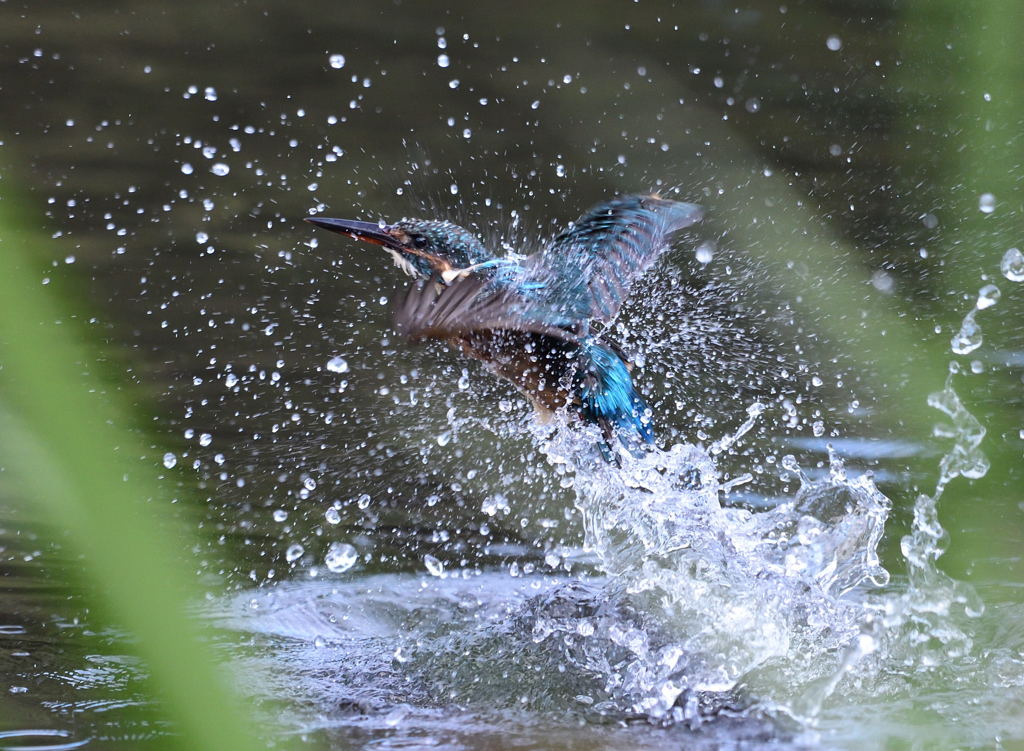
(370, 232)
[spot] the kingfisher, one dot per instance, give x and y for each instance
(540, 321)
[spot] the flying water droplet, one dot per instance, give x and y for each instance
(294, 553)
(986, 203)
(340, 557)
(443, 61)
(1012, 265)
(987, 297)
(336, 61)
(205, 439)
(170, 460)
(705, 252)
(882, 281)
(220, 169)
(968, 338)
(493, 504)
(332, 516)
(280, 515)
(337, 364)
(434, 566)
(834, 43)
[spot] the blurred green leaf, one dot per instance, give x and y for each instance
(67, 439)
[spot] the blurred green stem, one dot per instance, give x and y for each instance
(64, 436)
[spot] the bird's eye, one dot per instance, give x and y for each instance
(419, 241)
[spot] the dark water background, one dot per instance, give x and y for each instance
(171, 150)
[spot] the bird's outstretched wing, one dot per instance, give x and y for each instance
(587, 270)
(425, 311)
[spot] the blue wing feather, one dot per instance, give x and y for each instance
(606, 393)
(587, 270)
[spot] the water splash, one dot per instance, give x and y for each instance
(700, 615)
(722, 600)
(689, 609)
(710, 609)
(919, 626)
(965, 458)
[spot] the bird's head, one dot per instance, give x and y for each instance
(422, 248)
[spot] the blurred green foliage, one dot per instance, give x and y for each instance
(65, 435)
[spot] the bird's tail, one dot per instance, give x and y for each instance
(607, 397)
